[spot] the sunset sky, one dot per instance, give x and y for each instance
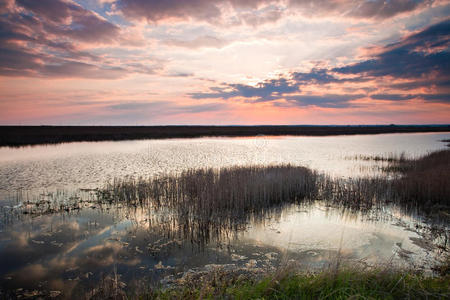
(148, 62)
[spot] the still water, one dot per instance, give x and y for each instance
(70, 252)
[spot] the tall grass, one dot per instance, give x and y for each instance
(209, 202)
(236, 188)
(426, 181)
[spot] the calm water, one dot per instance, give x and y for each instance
(72, 251)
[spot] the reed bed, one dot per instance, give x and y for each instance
(359, 194)
(425, 182)
(207, 202)
(237, 188)
(390, 157)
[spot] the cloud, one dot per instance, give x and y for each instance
(168, 107)
(435, 83)
(263, 91)
(392, 97)
(23, 62)
(421, 58)
(442, 98)
(81, 70)
(327, 100)
(415, 56)
(262, 16)
(317, 76)
(180, 74)
(70, 19)
(42, 39)
(373, 9)
(256, 12)
(205, 41)
(155, 10)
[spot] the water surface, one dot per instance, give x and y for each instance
(72, 251)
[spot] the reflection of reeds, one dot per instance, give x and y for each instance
(357, 193)
(391, 157)
(208, 201)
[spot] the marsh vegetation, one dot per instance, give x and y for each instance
(422, 183)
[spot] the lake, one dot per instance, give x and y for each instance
(70, 251)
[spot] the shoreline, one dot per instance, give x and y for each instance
(17, 136)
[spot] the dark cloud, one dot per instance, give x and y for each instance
(155, 10)
(392, 97)
(15, 62)
(38, 38)
(71, 20)
(81, 70)
(181, 74)
(415, 56)
(445, 98)
(328, 100)
(258, 12)
(440, 84)
(316, 76)
(382, 9)
(264, 91)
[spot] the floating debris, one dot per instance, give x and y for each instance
(38, 242)
(55, 243)
(54, 294)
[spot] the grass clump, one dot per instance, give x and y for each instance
(209, 203)
(342, 284)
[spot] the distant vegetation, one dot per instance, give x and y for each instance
(33, 135)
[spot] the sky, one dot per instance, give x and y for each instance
(224, 62)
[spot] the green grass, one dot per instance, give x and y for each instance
(344, 284)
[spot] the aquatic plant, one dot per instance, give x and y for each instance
(208, 201)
